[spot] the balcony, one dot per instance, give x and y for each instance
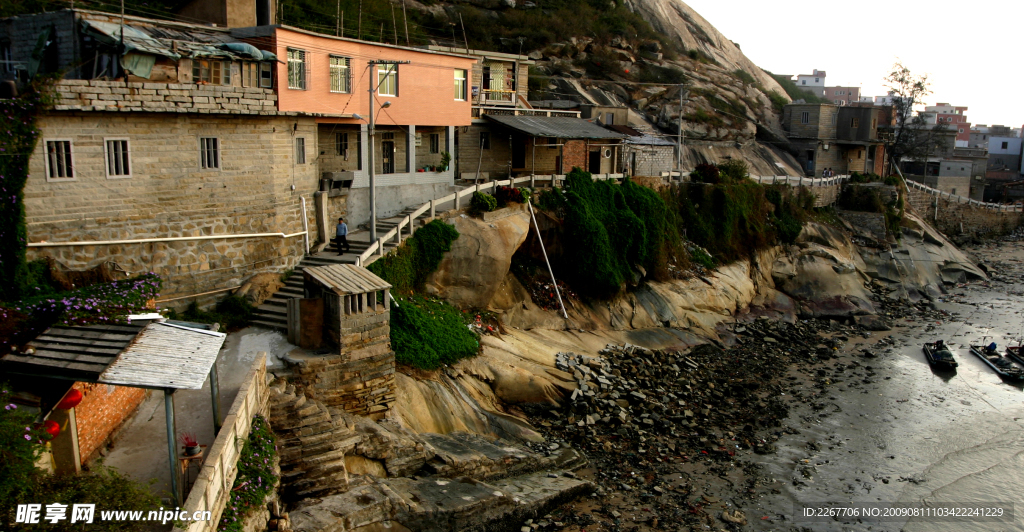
(480, 110)
(499, 96)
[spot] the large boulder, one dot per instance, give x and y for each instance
(821, 272)
(471, 273)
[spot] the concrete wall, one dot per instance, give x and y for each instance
(212, 488)
(649, 160)
(169, 195)
(392, 199)
(957, 216)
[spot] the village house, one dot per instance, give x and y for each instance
(842, 138)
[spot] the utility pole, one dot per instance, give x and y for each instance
(464, 40)
(394, 23)
(337, 18)
(405, 20)
(359, 24)
(393, 65)
(679, 135)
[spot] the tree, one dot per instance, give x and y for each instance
(912, 137)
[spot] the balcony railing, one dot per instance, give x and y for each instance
(499, 96)
(481, 110)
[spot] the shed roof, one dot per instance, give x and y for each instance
(344, 279)
(158, 355)
(562, 127)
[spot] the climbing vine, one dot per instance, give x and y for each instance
(18, 136)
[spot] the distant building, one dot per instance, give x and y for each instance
(843, 95)
(843, 138)
(953, 117)
(814, 82)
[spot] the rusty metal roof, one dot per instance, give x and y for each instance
(344, 279)
(561, 127)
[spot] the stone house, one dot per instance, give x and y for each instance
(843, 138)
(643, 154)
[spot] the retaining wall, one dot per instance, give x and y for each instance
(955, 215)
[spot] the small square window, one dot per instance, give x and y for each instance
(435, 143)
(118, 158)
(387, 80)
(266, 76)
(340, 81)
(211, 72)
(855, 122)
(59, 160)
(209, 153)
(805, 117)
(300, 150)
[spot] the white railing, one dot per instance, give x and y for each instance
(801, 181)
(378, 248)
(960, 199)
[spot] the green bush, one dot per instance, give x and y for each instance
(778, 101)
(483, 202)
(733, 171)
(409, 265)
(232, 312)
(429, 333)
(863, 199)
(744, 76)
(255, 479)
(21, 443)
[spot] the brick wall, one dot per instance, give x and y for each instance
(96, 95)
(574, 153)
(169, 195)
(956, 216)
(103, 410)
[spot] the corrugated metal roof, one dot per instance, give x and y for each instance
(166, 356)
(648, 140)
(561, 127)
(344, 279)
(158, 355)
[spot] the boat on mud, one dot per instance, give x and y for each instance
(1016, 352)
(1000, 365)
(939, 356)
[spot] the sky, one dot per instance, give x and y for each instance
(972, 52)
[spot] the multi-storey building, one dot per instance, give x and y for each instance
(841, 138)
(843, 95)
(813, 82)
(953, 117)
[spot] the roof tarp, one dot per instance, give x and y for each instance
(560, 127)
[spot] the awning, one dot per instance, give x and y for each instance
(559, 127)
(158, 355)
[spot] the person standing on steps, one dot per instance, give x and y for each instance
(341, 236)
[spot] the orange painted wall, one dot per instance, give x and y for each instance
(104, 408)
(426, 93)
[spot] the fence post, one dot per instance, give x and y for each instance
(458, 199)
(533, 180)
(380, 246)
(432, 206)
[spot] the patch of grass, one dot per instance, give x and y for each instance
(658, 74)
(408, 266)
(744, 76)
(481, 202)
(778, 101)
(701, 116)
(428, 333)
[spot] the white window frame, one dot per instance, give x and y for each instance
(460, 84)
(386, 72)
(300, 150)
(107, 157)
(218, 149)
(71, 153)
(341, 72)
(297, 69)
(268, 69)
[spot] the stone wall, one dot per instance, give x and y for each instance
(649, 160)
(97, 95)
(958, 215)
(361, 378)
(103, 410)
(257, 189)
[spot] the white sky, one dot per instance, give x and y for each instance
(972, 51)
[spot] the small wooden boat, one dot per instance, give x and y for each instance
(1016, 352)
(939, 356)
(1000, 365)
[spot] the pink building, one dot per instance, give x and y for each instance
(843, 95)
(953, 117)
(426, 94)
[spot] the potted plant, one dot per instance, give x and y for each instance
(445, 159)
(189, 442)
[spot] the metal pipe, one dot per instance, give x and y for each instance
(172, 449)
(215, 396)
(305, 224)
(149, 240)
(546, 261)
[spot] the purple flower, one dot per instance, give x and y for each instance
(11, 406)
(27, 437)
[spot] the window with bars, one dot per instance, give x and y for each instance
(387, 80)
(460, 84)
(211, 72)
(341, 142)
(854, 122)
(805, 117)
(59, 161)
(118, 160)
(209, 152)
(300, 150)
(435, 143)
(296, 69)
(340, 74)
